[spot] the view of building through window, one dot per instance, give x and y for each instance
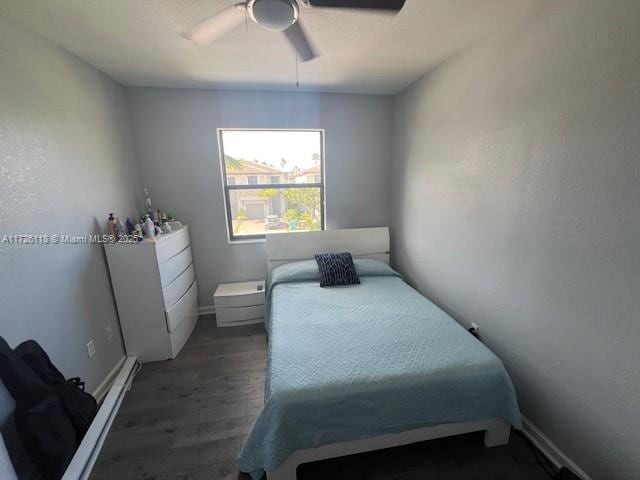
(273, 181)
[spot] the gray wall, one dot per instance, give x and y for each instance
(177, 147)
(515, 204)
(65, 158)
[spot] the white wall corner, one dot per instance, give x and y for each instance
(102, 389)
(550, 449)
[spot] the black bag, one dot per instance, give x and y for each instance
(48, 436)
(24, 385)
(79, 405)
(46, 431)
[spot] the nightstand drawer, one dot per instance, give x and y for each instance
(240, 301)
(239, 315)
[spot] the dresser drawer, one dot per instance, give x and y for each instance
(239, 315)
(181, 334)
(172, 268)
(171, 244)
(184, 308)
(176, 289)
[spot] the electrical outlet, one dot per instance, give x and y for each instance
(109, 331)
(475, 327)
(91, 349)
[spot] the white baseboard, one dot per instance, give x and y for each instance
(206, 310)
(550, 449)
(102, 389)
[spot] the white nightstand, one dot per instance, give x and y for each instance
(239, 303)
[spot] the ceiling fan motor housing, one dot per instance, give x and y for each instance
(276, 15)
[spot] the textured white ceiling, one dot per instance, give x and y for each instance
(138, 42)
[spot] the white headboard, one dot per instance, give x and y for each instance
(361, 242)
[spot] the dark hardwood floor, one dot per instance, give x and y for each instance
(187, 418)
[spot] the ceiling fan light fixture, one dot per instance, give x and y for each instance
(275, 15)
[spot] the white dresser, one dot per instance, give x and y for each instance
(156, 294)
(239, 303)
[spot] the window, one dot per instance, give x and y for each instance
(273, 181)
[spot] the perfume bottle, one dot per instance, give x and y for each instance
(147, 199)
(149, 228)
(111, 225)
(119, 228)
(137, 232)
(130, 226)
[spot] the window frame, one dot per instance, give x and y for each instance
(259, 238)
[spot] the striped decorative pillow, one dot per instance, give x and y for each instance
(336, 269)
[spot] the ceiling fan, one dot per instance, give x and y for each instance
(279, 16)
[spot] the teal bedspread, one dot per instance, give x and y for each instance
(346, 363)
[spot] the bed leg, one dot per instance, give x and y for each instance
(498, 434)
(287, 471)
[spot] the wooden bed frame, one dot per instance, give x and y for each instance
(362, 243)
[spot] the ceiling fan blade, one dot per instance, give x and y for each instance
(217, 25)
(368, 4)
(298, 39)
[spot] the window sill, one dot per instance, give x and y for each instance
(249, 240)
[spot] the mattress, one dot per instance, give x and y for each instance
(353, 362)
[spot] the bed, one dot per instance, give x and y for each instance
(364, 367)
